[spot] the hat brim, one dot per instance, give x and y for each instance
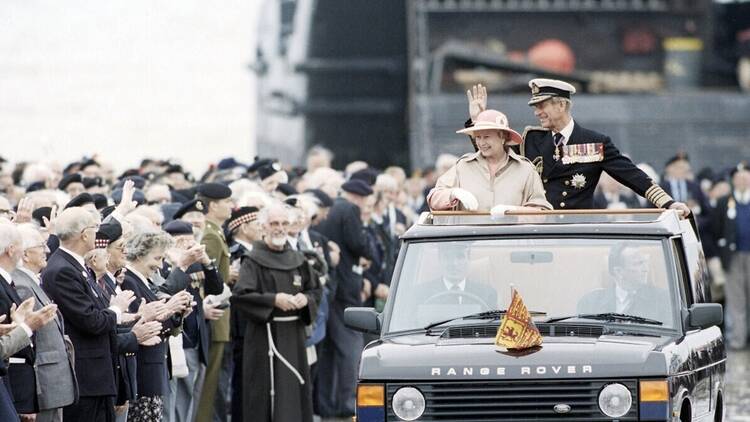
(515, 137)
(539, 98)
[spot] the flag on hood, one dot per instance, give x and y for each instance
(517, 331)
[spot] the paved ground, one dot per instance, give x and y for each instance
(738, 387)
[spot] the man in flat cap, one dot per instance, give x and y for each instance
(217, 204)
(570, 158)
(340, 350)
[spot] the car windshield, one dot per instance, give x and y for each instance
(560, 277)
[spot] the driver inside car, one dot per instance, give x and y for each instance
(630, 292)
(453, 287)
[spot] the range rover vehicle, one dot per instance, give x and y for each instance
(620, 299)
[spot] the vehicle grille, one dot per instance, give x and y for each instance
(513, 400)
(549, 330)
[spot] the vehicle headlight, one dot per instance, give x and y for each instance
(408, 403)
(615, 400)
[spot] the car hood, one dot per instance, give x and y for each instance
(421, 357)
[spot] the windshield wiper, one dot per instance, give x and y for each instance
(608, 316)
(493, 314)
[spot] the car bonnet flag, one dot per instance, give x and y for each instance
(517, 331)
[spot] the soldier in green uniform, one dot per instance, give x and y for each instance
(570, 158)
(217, 204)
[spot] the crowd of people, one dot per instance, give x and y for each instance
(156, 295)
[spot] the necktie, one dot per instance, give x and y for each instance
(457, 290)
(558, 138)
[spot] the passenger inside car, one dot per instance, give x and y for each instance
(630, 291)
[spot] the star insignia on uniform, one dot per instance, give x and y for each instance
(578, 181)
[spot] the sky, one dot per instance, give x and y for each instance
(127, 80)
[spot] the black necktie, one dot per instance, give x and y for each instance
(558, 146)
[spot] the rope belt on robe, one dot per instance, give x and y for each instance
(274, 352)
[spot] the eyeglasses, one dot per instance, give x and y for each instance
(40, 245)
(90, 227)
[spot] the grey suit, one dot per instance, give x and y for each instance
(55, 376)
(13, 342)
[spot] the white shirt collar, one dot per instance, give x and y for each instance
(6, 275)
(29, 273)
(566, 131)
(292, 241)
(449, 285)
(77, 257)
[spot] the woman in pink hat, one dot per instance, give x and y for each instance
(494, 178)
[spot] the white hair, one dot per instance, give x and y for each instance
(36, 172)
(141, 244)
(72, 221)
(273, 206)
(30, 235)
(386, 181)
(9, 235)
(152, 213)
(157, 192)
(444, 162)
(321, 176)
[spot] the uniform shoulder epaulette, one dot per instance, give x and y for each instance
(528, 129)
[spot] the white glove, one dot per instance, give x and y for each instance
(500, 209)
(467, 199)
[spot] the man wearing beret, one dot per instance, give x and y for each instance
(217, 205)
(340, 350)
(72, 184)
(570, 158)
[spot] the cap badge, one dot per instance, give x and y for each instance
(534, 89)
(199, 206)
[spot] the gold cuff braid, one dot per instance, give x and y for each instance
(656, 195)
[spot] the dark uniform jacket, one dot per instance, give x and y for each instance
(127, 347)
(571, 185)
(725, 228)
(21, 376)
(153, 372)
(344, 226)
(195, 326)
(90, 325)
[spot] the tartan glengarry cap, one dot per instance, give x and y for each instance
(544, 89)
(215, 190)
(241, 216)
(357, 187)
(108, 232)
(178, 228)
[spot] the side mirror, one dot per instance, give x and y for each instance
(366, 320)
(705, 315)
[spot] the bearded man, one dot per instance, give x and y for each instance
(278, 296)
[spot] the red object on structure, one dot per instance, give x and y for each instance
(553, 54)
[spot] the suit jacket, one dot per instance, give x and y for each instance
(344, 226)
(56, 384)
(473, 291)
(89, 324)
(647, 301)
(127, 347)
(218, 250)
(10, 343)
(724, 228)
(21, 377)
(564, 191)
(152, 369)
(178, 280)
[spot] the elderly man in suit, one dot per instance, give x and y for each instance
(22, 382)
(54, 369)
(91, 326)
(630, 293)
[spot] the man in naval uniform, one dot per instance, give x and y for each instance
(570, 158)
